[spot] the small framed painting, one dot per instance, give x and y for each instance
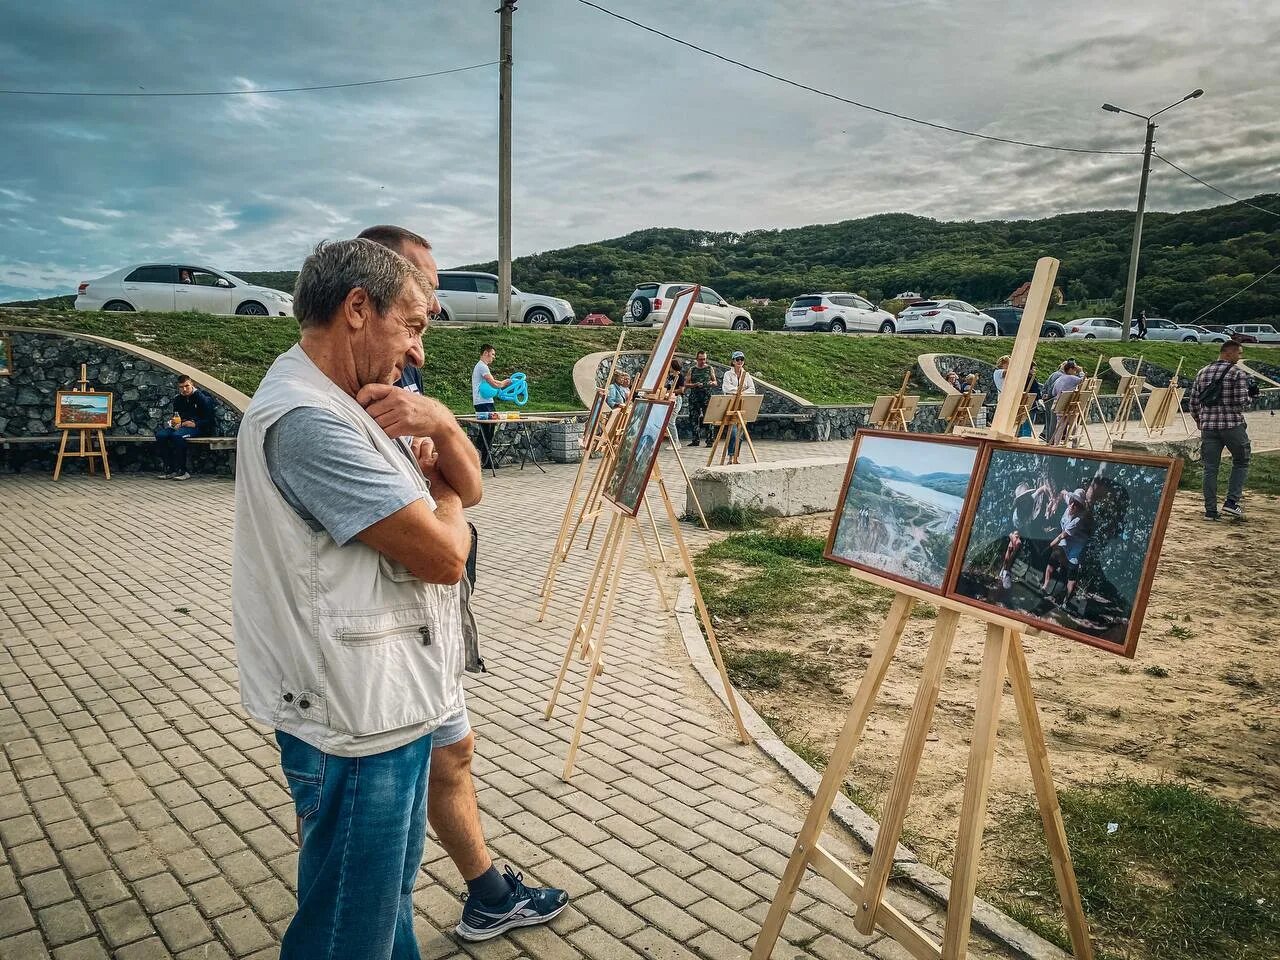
(82, 410)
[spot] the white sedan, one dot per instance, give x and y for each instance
(181, 287)
(1093, 328)
(947, 317)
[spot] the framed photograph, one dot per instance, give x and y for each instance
(1066, 541)
(901, 505)
(6, 357)
(655, 371)
(593, 416)
(87, 410)
(637, 453)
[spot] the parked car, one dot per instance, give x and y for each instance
(837, 313)
(181, 286)
(1008, 319)
(650, 302)
(1253, 333)
(1204, 334)
(1160, 329)
(1093, 328)
(946, 316)
(469, 297)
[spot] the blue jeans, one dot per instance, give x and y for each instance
(364, 824)
(172, 442)
(734, 442)
(1236, 440)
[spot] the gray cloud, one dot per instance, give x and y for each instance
(616, 130)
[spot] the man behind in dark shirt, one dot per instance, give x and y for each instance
(192, 417)
(700, 378)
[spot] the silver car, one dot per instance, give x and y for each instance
(469, 297)
(1160, 329)
(1093, 328)
(1204, 334)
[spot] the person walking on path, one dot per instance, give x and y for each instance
(357, 664)
(699, 381)
(193, 416)
(736, 374)
(1220, 394)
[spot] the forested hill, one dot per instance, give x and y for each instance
(1190, 261)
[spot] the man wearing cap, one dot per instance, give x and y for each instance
(735, 375)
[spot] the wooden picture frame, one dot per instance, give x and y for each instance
(6, 355)
(95, 413)
(635, 459)
(951, 444)
(655, 369)
(1125, 646)
(593, 415)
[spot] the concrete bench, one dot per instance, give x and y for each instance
(779, 488)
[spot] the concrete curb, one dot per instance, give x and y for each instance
(862, 825)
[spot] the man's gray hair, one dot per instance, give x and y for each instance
(336, 267)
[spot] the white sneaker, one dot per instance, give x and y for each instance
(1006, 579)
(167, 476)
(182, 476)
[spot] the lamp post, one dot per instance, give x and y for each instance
(1142, 202)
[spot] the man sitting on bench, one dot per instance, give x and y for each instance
(192, 417)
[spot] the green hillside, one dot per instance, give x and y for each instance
(823, 368)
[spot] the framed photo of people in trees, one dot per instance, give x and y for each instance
(1065, 541)
(637, 454)
(901, 505)
(664, 349)
(593, 417)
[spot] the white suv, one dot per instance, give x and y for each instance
(837, 313)
(651, 301)
(946, 316)
(469, 297)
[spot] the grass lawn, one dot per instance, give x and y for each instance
(822, 368)
(1264, 474)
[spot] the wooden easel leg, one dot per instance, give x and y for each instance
(904, 777)
(654, 568)
(558, 552)
(693, 495)
(62, 452)
(598, 590)
(746, 435)
(624, 541)
(653, 525)
(582, 616)
(1055, 831)
(687, 561)
(833, 777)
(973, 809)
(86, 450)
(102, 448)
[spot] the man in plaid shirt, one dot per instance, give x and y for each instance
(1220, 395)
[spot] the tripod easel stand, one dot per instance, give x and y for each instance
(1002, 656)
(87, 435)
(894, 411)
(732, 419)
(1130, 395)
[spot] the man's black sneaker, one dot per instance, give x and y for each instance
(523, 907)
(1212, 516)
(1233, 510)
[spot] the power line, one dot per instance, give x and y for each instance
(853, 103)
(240, 93)
(1237, 293)
(1188, 173)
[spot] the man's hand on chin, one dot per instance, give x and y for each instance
(401, 413)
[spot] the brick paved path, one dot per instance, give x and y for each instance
(142, 815)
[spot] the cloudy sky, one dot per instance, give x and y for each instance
(615, 129)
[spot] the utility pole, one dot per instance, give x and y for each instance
(1132, 282)
(504, 163)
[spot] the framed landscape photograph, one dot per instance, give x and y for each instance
(6, 357)
(88, 410)
(593, 416)
(637, 453)
(901, 505)
(1066, 541)
(655, 371)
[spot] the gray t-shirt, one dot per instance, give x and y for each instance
(478, 375)
(329, 473)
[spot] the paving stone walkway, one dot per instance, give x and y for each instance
(143, 816)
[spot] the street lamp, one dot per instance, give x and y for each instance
(1142, 201)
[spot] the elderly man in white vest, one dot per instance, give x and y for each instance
(349, 545)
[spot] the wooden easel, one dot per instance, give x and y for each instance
(1002, 656)
(1130, 395)
(732, 419)
(1164, 403)
(87, 436)
(962, 413)
(895, 411)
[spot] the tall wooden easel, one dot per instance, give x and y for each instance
(86, 449)
(1130, 396)
(1163, 403)
(895, 411)
(732, 420)
(1002, 657)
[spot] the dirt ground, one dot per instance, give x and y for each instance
(1198, 703)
